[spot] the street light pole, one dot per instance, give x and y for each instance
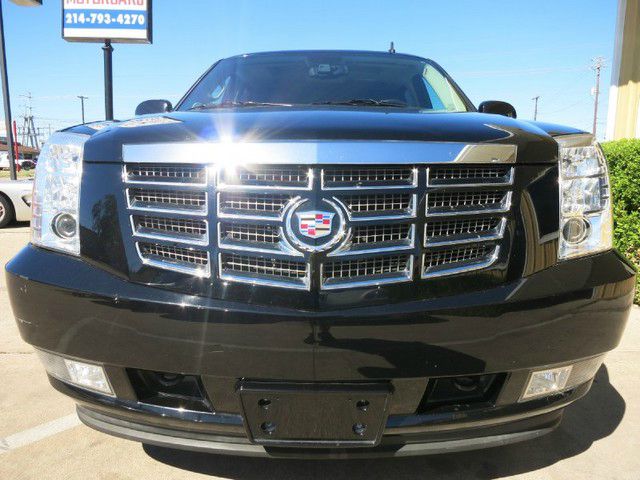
(535, 108)
(7, 102)
(82, 99)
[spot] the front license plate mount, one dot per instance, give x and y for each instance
(314, 415)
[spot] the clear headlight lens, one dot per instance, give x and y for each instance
(56, 194)
(586, 218)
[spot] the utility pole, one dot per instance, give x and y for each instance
(535, 107)
(597, 64)
(29, 131)
(7, 103)
(82, 99)
(108, 79)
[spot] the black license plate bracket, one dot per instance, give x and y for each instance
(314, 415)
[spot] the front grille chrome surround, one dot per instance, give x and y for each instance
(265, 271)
(173, 194)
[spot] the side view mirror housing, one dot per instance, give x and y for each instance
(154, 106)
(498, 108)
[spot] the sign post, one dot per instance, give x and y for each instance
(108, 21)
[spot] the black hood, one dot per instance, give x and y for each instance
(322, 124)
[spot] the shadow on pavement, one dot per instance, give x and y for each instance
(14, 226)
(590, 419)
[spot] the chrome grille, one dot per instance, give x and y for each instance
(150, 199)
(372, 177)
(448, 228)
(177, 229)
(458, 259)
(376, 234)
(463, 218)
(262, 234)
(252, 269)
(167, 174)
(466, 202)
(374, 270)
(470, 175)
(379, 205)
(253, 204)
(456, 231)
(266, 176)
(187, 260)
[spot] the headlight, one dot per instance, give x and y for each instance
(56, 194)
(586, 218)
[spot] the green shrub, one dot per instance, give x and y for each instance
(624, 165)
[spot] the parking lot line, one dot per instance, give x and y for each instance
(31, 435)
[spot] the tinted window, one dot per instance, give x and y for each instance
(317, 78)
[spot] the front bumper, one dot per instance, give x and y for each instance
(574, 310)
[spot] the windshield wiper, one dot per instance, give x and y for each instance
(364, 102)
(230, 104)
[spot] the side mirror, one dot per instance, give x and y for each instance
(154, 106)
(498, 108)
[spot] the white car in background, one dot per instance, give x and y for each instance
(25, 163)
(15, 201)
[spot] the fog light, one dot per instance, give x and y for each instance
(84, 375)
(547, 382)
(64, 225)
(575, 230)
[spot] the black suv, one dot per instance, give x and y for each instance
(322, 254)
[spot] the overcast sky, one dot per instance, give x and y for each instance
(506, 50)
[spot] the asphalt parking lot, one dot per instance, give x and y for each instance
(40, 437)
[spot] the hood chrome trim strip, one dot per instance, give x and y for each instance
(320, 153)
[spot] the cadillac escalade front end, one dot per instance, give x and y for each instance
(322, 254)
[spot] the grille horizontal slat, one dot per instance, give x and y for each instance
(146, 198)
(171, 228)
(458, 259)
(162, 173)
(443, 232)
(370, 270)
(379, 205)
(187, 260)
(448, 176)
(249, 233)
(466, 202)
(253, 204)
(266, 176)
(368, 177)
(253, 269)
(376, 234)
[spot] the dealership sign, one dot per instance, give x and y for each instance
(121, 21)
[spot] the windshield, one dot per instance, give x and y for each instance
(325, 78)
